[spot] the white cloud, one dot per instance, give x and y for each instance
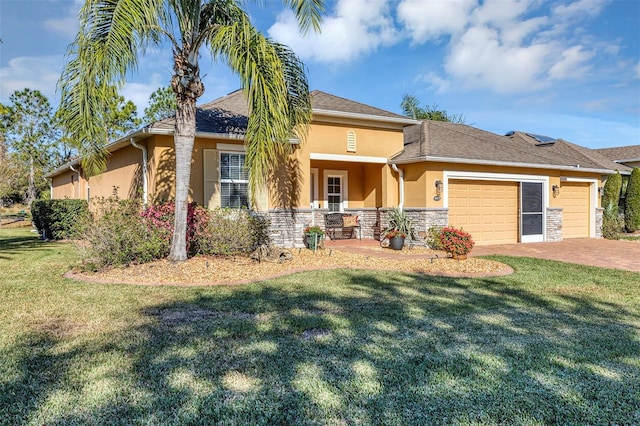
(579, 8)
(572, 64)
(480, 59)
(33, 72)
(637, 70)
(352, 31)
(67, 25)
(431, 19)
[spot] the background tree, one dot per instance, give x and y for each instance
(411, 108)
(120, 115)
(162, 104)
(632, 202)
(107, 47)
(29, 130)
(612, 189)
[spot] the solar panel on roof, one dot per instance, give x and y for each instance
(541, 138)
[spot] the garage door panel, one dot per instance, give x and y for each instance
(576, 206)
(487, 210)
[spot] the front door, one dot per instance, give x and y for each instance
(531, 212)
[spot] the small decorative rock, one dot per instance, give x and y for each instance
(267, 253)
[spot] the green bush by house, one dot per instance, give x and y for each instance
(612, 188)
(59, 219)
(632, 202)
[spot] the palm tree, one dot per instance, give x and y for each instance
(108, 45)
(411, 108)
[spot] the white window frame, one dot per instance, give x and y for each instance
(313, 192)
(344, 180)
(221, 180)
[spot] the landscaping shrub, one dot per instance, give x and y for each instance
(162, 215)
(58, 219)
(231, 231)
(433, 238)
(456, 241)
(632, 202)
(118, 235)
(612, 188)
(612, 223)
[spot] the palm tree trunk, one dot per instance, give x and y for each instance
(183, 139)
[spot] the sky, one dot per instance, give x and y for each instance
(564, 69)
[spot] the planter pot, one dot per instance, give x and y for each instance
(312, 241)
(396, 243)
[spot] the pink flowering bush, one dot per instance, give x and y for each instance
(160, 217)
(456, 241)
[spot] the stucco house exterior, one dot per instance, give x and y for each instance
(363, 160)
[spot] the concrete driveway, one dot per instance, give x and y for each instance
(622, 254)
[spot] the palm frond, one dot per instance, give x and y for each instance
(308, 12)
(111, 37)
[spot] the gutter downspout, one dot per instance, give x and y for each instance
(78, 172)
(144, 169)
(401, 183)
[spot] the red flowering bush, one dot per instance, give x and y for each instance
(456, 241)
(161, 218)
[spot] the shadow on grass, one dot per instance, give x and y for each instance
(362, 348)
(18, 242)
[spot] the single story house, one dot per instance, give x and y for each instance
(362, 160)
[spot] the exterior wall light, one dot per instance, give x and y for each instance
(556, 190)
(601, 191)
(438, 185)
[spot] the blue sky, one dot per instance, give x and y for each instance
(566, 69)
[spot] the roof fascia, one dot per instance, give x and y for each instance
(505, 164)
(342, 117)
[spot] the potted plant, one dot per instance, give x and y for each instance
(313, 236)
(399, 228)
(456, 241)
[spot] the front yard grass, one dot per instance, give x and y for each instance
(551, 344)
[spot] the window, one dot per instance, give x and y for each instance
(234, 180)
(334, 193)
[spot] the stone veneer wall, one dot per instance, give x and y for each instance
(599, 219)
(287, 226)
(554, 224)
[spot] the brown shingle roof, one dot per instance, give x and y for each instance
(435, 139)
(621, 153)
(229, 114)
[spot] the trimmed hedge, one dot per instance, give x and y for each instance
(632, 202)
(612, 188)
(59, 219)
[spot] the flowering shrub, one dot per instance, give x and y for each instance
(161, 218)
(313, 230)
(395, 233)
(456, 241)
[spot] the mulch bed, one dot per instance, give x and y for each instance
(219, 270)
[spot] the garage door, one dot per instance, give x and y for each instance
(487, 210)
(575, 198)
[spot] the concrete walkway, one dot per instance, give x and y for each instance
(622, 254)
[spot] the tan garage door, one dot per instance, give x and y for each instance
(487, 210)
(575, 198)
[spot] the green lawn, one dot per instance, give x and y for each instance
(552, 344)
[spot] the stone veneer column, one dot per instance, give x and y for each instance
(554, 224)
(599, 220)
